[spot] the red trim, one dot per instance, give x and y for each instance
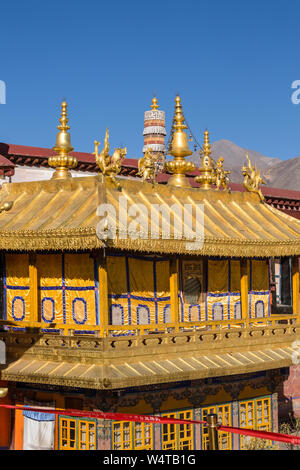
(273, 436)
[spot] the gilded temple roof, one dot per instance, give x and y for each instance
(62, 215)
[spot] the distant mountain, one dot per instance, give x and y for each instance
(277, 173)
(285, 175)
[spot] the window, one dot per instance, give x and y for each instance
(192, 281)
(122, 438)
(254, 414)
(143, 315)
(77, 434)
(178, 436)
(223, 413)
(128, 435)
(285, 293)
(192, 290)
(116, 314)
(281, 285)
(143, 436)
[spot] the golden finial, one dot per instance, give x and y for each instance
(63, 162)
(211, 173)
(179, 149)
(207, 175)
(154, 104)
(206, 149)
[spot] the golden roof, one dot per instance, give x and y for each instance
(62, 215)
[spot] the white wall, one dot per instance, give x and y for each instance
(29, 173)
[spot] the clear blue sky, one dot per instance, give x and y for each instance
(233, 63)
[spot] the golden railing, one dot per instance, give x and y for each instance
(136, 330)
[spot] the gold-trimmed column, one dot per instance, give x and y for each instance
(244, 291)
(103, 291)
(33, 282)
(174, 288)
(295, 284)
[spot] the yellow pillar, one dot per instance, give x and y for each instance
(295, 277)
(174, 289)
(103, 291)
(33, 282)
(244, 291)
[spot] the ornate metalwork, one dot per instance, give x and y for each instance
(252, 179)
(156, 399)
(6, 206)
(63, 162)
(147, 166)
(109, 165)
(222, 180)
(179, 149)
(211, 173)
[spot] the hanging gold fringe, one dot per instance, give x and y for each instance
(86, 239)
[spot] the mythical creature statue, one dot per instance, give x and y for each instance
(109, 165)
(146, 166)
(222, 180)
(252, 178)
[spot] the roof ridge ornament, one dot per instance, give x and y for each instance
(109, 165)
(252, 179)
(154, 104)
(63, 162)
(147, 167)
(211, 173)
(179, 150)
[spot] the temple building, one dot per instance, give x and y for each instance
(156, 295)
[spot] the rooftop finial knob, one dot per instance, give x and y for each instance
(154, 104)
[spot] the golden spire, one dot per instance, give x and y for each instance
(206, 149)
(211, 173)
(179, 150)
(154, 104)
(63, 162)
(207, 175)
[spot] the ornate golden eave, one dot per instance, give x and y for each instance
(61, 215)
(117, 362)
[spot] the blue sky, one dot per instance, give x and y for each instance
(232, 62)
